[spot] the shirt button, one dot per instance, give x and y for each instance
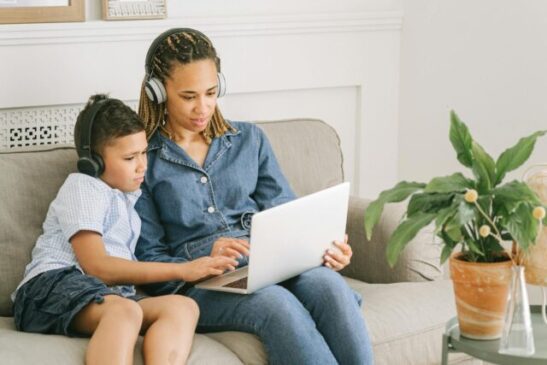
(203, 179)
(211, 209)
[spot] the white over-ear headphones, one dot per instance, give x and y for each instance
(154, 88)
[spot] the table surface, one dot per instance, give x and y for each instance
(488, 350)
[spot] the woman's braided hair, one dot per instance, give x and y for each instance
(176, 49)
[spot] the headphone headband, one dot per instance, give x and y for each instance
(157, 41)
(87, 125)
(154, 88)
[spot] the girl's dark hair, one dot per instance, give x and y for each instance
(179, 49)
(113, 120)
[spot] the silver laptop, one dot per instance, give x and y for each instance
(287, 240)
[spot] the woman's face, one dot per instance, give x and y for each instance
(191, 95)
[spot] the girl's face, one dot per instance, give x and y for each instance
(191, 95)
(125, 162)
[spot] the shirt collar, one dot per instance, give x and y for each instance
(158, 140)
(132, 196)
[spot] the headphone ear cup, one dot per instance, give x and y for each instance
(221, 91)
(100, 164)
(88, 166)
(92, 166)
(155, 90)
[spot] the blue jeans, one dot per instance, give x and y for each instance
(313, 318)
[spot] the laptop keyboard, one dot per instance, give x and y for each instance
(238, 284)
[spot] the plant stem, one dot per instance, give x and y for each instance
(498, 234)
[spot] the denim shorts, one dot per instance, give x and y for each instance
(49, 302)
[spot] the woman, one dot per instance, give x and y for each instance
(206, 177)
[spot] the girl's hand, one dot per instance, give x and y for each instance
(230, 247)
(337, 259)
(206, 266)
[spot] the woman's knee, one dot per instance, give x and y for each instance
(330, 282)
(278, 307)
(323, 276)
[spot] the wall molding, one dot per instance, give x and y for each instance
(34, 126)
(104, 31)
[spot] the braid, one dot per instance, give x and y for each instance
(150, 113)
(180, 49)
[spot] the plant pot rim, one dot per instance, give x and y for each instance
(457, 257)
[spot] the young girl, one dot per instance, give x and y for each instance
(79, 282)
(207, 177)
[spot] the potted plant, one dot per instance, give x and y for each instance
(473, 216)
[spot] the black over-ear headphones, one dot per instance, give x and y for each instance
(89, 163)
(154, 88)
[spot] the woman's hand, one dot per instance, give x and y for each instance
(207, 266)
(230, 247)
(337, 259)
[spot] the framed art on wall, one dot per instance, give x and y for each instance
(134, 9)
(41, 11)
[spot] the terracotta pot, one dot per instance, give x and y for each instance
(481, 291)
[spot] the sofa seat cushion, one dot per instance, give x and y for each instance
(30, 348)
(406, 320)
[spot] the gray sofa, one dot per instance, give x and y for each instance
(405, 308)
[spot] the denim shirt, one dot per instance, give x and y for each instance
(185, 208)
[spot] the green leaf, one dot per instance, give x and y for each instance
(466, 213)
(509, 196)
(473, 247)
(522, 226)
(515, 156)
(453, 230)
(461, 140)
(492, 246)
(428, 203)
(484, 168)
(449, 184)
(444, 215)
(445, 254)
(405, 232)
(398, 193)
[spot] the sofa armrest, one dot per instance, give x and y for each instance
(419, 261)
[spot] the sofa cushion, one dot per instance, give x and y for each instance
(30, 348)
(419, 261)
(28, 183)
(308, 151)
(407, 320)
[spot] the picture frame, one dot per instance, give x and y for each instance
(133, 9)
(74, 11)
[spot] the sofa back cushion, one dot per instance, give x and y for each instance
(307, 150)
(28, 183)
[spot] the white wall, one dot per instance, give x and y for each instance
(336, 61)
(484, 59)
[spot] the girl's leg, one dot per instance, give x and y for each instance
(169, 325)
(335, 310)
(273, 314)
(114, 327)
